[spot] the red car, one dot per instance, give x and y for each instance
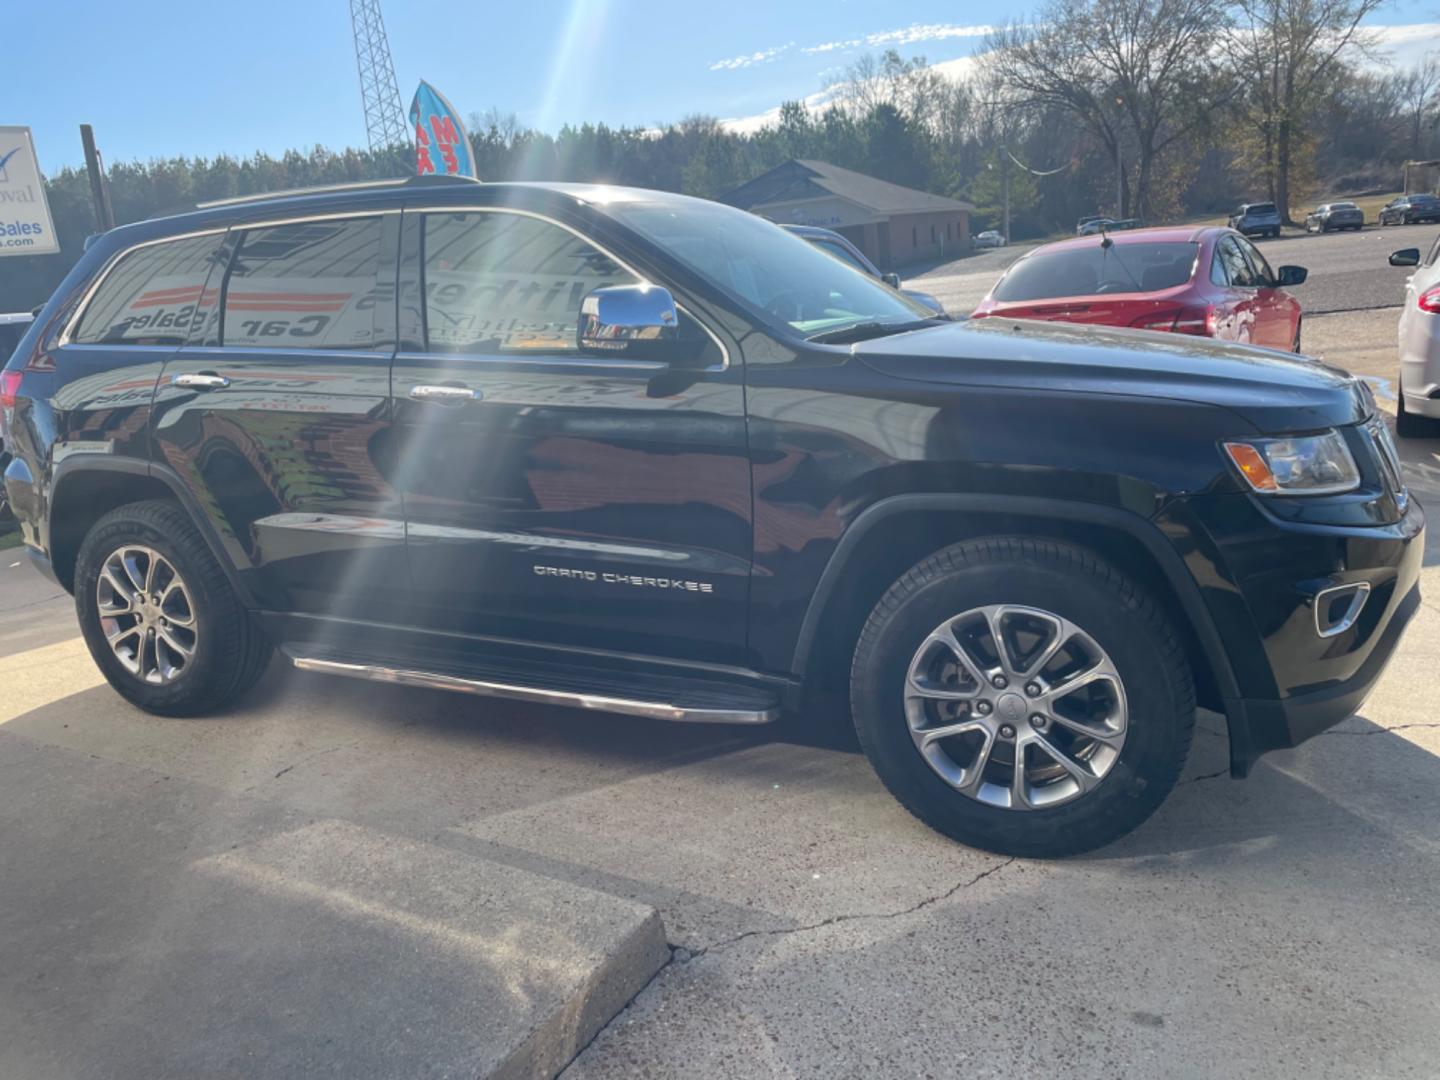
(1209, 281)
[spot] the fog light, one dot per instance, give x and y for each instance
(1337, 608)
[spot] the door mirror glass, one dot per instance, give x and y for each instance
(1405, 257)
(892, 279)
(1291, 275)
(628, 320)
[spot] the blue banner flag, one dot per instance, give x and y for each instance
(441, 145)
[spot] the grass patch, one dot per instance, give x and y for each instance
(9, 537)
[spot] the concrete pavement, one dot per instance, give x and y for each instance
(168, 888)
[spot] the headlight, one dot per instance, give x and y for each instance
(1306, 465)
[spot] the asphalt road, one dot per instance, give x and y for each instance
(1284, 925)
(1348, 271)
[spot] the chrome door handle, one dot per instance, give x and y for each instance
(197, 381)
(445, 395)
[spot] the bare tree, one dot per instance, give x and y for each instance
(1139, 75)
(911, 86)
(1289, 53)
(1417, 90)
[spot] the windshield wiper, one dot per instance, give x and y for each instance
(844, 335)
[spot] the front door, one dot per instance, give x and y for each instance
(1273, 321)
(550, 496)
(277, 414)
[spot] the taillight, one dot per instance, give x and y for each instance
(1429, 300)
(10, 388)
(1183, 320)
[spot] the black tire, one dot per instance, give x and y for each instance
(231, 652)
(1299, 325)
(1410, 426)
(1079, 586)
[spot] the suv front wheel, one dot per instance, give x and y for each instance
(159, 616)
(1023, 696)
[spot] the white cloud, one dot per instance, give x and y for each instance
(910, 35)
(764, 56)
(1396, 47)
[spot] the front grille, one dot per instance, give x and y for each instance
(1389, 458)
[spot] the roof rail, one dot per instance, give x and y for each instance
(364, 185)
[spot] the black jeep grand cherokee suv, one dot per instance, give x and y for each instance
(640, 453)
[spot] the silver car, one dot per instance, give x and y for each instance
(1419, 391)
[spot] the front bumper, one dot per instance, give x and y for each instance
(1269, 577)
(1259, 725)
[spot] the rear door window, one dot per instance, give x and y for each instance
(151, 296)
(304, 285)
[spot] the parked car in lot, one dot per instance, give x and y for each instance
(833, 243)
(12, 329)
(1418, 399)
(1211, 282)
(1256, 219)
(990, 238)
(637, 453)
(1411, 210)
(1334, 216)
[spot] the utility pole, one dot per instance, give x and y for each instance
(1005, 188)
(99, 186)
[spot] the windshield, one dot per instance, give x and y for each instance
(1097, 269)
(766, 269)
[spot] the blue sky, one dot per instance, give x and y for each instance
(164, 77)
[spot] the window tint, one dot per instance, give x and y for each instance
(1262, 208)
(1259, 269)
(500, 282)
(1096, 270)
(841, 253)
(309, 285)
(151, 296)
(1237, 270)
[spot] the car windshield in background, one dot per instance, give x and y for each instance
(767, 269)
(1427, 200)
(1098, 269)
(1343, 206)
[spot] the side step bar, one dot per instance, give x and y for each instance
(575, 699)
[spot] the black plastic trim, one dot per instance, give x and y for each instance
(132, 466)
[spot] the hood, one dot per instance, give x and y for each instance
(1277, 392)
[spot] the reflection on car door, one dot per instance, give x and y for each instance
(277, 413)
(1231, 270)
(556, 497)
(1276, 309)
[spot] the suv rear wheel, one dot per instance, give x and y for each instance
(160, 617)
(1023, 696)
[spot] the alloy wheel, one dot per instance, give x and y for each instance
(146, 614)
(1016, 707)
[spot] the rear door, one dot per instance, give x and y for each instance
(277, 413)
(555, 497)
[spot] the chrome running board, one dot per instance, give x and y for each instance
(575, 699)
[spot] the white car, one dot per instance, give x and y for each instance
(1419, 391)
(989, 239)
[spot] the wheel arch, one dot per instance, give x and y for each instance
(894, 534)
(87, 487)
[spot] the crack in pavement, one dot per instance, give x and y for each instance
(1206, 776)
(32, 603)
(312, 757)
(835, 920)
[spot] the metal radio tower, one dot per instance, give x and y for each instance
(385, 123)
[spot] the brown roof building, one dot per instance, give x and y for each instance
(893, 225)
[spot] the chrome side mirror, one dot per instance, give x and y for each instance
(1405, 257)
(627, 320)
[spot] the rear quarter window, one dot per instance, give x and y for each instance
(151, 295)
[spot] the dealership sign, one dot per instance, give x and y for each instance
(25, 225)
